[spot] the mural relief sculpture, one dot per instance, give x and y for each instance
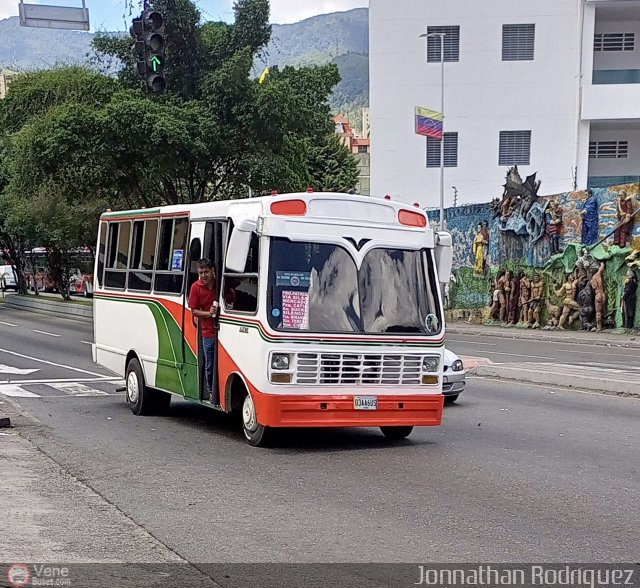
(485, 234)
(629, 299)
(535, 303)
(625, 219)
(570, 308)
(514, 295)
(590, 216)
(554, 312)
(597, 282)
(499, 308)
(480, 247)
(525, 297)
(553, 218)
(587, 302)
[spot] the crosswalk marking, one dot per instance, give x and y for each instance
(77, 389)
(16, 391)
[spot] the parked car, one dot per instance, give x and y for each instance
(454, 376)
(8, 278)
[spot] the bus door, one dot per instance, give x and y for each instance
(206, 240)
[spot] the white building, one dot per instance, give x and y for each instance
(550, 85)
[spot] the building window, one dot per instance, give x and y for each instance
(608, 149)
(515, 148)
(518, 41)
(451, 44)
(614, 42)
(450, 151)
(363, 149)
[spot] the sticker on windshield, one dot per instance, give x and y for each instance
(176, 262)
(295, 279)
(295, 310)
(276, 312)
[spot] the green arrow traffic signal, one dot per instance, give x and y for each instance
(156, 63)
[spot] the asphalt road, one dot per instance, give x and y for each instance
(515, 474)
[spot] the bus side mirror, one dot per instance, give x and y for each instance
(444, 256)
(239, 245)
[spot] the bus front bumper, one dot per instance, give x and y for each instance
(339, 411)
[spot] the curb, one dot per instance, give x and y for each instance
(79, 312)
(561, 380)
(541, 336)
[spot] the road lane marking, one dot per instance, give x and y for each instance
(520, 355)
(7, 369)
(16, 391)
(8, 324)
(116, 381)
(67, 367)
(45, 333)
(470, 342)
(87, 342)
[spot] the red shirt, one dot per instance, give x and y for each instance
(201, 298)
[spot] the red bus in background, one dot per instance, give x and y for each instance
(80, 279)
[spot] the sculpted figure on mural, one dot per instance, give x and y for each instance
(570, 308)
(597, 282)
(480, 246)
(629, 299)
(586, 300)
(589, 214)
(536, 300)
(495, 297)
(625, 219)
(525, 297)
(553, 218)
(501, 296)
(514, 295)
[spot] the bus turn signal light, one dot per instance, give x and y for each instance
(289, 208)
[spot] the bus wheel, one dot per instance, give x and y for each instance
(138, 395)
(396, 433)
(256, 434)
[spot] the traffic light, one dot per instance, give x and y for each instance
(148, 32)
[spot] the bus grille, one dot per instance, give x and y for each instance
(358, 369)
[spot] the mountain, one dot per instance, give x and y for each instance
(339, 37)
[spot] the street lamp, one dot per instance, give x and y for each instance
(442, 36)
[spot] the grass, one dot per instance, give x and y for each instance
(58, 298)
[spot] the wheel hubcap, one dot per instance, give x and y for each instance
(249, 414)
(132, 388)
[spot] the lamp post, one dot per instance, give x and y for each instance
(442, 36)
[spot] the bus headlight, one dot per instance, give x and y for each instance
(430, 364)
(280, 361)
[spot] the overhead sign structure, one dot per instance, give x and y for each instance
(54, 17)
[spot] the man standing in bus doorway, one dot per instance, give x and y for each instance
(202, 300)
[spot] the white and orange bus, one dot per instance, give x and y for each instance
(336, 319)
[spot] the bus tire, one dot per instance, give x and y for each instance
(396, 433)
(451, 399)
(139, 397)
(256, 435)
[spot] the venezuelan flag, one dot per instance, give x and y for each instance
(264, 75)
(429, 123)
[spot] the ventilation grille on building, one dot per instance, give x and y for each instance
(608, 149)
(451, 44)
(614, 42)
(515, 148)
(518, 41)
(450, 151)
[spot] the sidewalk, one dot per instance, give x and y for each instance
(606, 338)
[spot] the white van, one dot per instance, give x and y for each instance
(8, 278)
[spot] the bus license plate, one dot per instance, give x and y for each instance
(365, 403)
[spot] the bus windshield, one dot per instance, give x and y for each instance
(316, 287)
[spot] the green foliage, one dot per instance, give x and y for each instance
(74, 142)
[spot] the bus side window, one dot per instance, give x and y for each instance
(102, 251)
(143, 250)
(118, 256)
(241, 290)
(170, 268)
(195, 254)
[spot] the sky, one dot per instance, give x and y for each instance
(110, 14)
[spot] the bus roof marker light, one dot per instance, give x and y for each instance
(410, 218)
(309, 190)
(289, 208)
(387, 197)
